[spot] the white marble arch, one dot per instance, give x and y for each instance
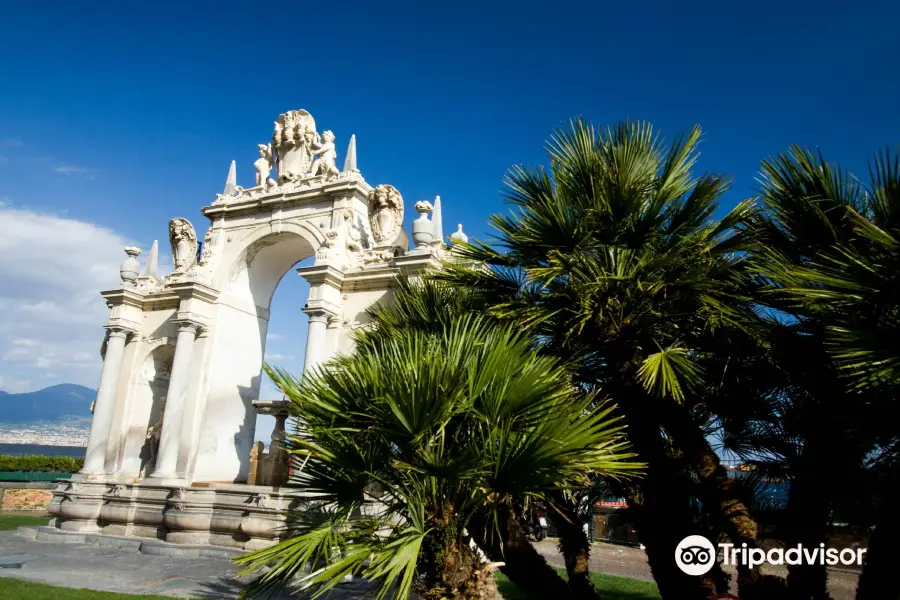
(196, 337)
(237, 337)
(255, 260)
(207, 320)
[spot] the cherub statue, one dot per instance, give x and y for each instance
(327, 155)
(263, 166)
(183, 239)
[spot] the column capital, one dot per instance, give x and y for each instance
(317, 316)
(322, 274)
(192, 325)
(119, 331)
(323, 307)
(188, 326)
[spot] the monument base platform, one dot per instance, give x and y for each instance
(244, 517)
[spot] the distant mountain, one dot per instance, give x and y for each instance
(63, 402)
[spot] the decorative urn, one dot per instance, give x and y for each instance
(458, 236)
(422, 228)
(130, 267)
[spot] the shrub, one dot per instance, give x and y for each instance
(45, 464)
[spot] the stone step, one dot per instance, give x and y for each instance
(27, 531)
(142, 545)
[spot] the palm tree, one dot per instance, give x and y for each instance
(431, 306)
(843, 285)
(408, 440)
(613, 259)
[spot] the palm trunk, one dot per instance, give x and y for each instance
(661, 508)
(661, 528)
(721, 497)
(879, 577)
(575, 547)
(522, 563)
(660, 502)
(807, 517)
(451, 569)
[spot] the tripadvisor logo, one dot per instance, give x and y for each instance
(696, 555)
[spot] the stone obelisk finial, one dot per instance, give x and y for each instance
(350, 160)
(437, 219)
(152, 261)
(231, 181)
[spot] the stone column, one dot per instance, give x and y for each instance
(315, 339)
(170, 438)
(104, 405)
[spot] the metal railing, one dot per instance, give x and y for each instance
(28, 476)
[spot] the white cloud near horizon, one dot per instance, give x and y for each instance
(51, 311)
(73, 170)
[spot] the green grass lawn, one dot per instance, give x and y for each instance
(26, 590)
(14, 521)
(608, 586)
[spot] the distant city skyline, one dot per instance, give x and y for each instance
(44, 418)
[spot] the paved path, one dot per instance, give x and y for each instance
(122, 570)
(627, 561)
(114, 569)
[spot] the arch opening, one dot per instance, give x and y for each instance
(262, 265)
(239, 347)
(285, 344)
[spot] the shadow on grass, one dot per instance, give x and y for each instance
(224, 587)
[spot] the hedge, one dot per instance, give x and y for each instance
(44, 464)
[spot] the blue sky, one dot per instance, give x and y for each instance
(115, 117)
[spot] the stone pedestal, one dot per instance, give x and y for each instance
(77, 506)
(273, 467)
(246, 517)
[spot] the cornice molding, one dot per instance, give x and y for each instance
(319, 274)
